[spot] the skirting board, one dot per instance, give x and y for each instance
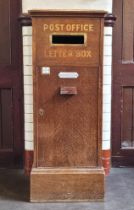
(66, 184)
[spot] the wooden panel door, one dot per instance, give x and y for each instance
(123, 84)
(67, 125)
(11, 98)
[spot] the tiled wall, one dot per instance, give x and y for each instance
(107, 88)
(27, 55)
(28, 87)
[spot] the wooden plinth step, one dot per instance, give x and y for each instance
(57, 185)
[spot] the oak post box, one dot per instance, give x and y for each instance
(67, 72)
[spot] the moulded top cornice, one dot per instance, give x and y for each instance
(77, 13)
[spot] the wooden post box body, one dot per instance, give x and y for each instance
(67, 71)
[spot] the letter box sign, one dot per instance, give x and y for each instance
(67, 72)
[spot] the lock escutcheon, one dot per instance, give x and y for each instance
(41, 112)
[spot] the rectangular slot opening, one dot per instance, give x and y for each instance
(68, 39)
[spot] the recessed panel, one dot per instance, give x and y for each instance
(5, 39)
(6, 120)
(127, 118)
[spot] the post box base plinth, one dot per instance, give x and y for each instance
(66, 184)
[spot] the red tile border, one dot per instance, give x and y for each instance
(28, 162)
(106, 161)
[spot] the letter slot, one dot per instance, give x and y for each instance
(68, 39)
(68, 91)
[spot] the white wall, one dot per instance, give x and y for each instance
(67, 4)
(27, 57)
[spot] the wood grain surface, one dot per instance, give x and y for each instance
(67, 185)
(67, 128)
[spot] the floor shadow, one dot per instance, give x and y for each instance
(14, 185)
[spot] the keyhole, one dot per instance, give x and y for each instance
(41, 112)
